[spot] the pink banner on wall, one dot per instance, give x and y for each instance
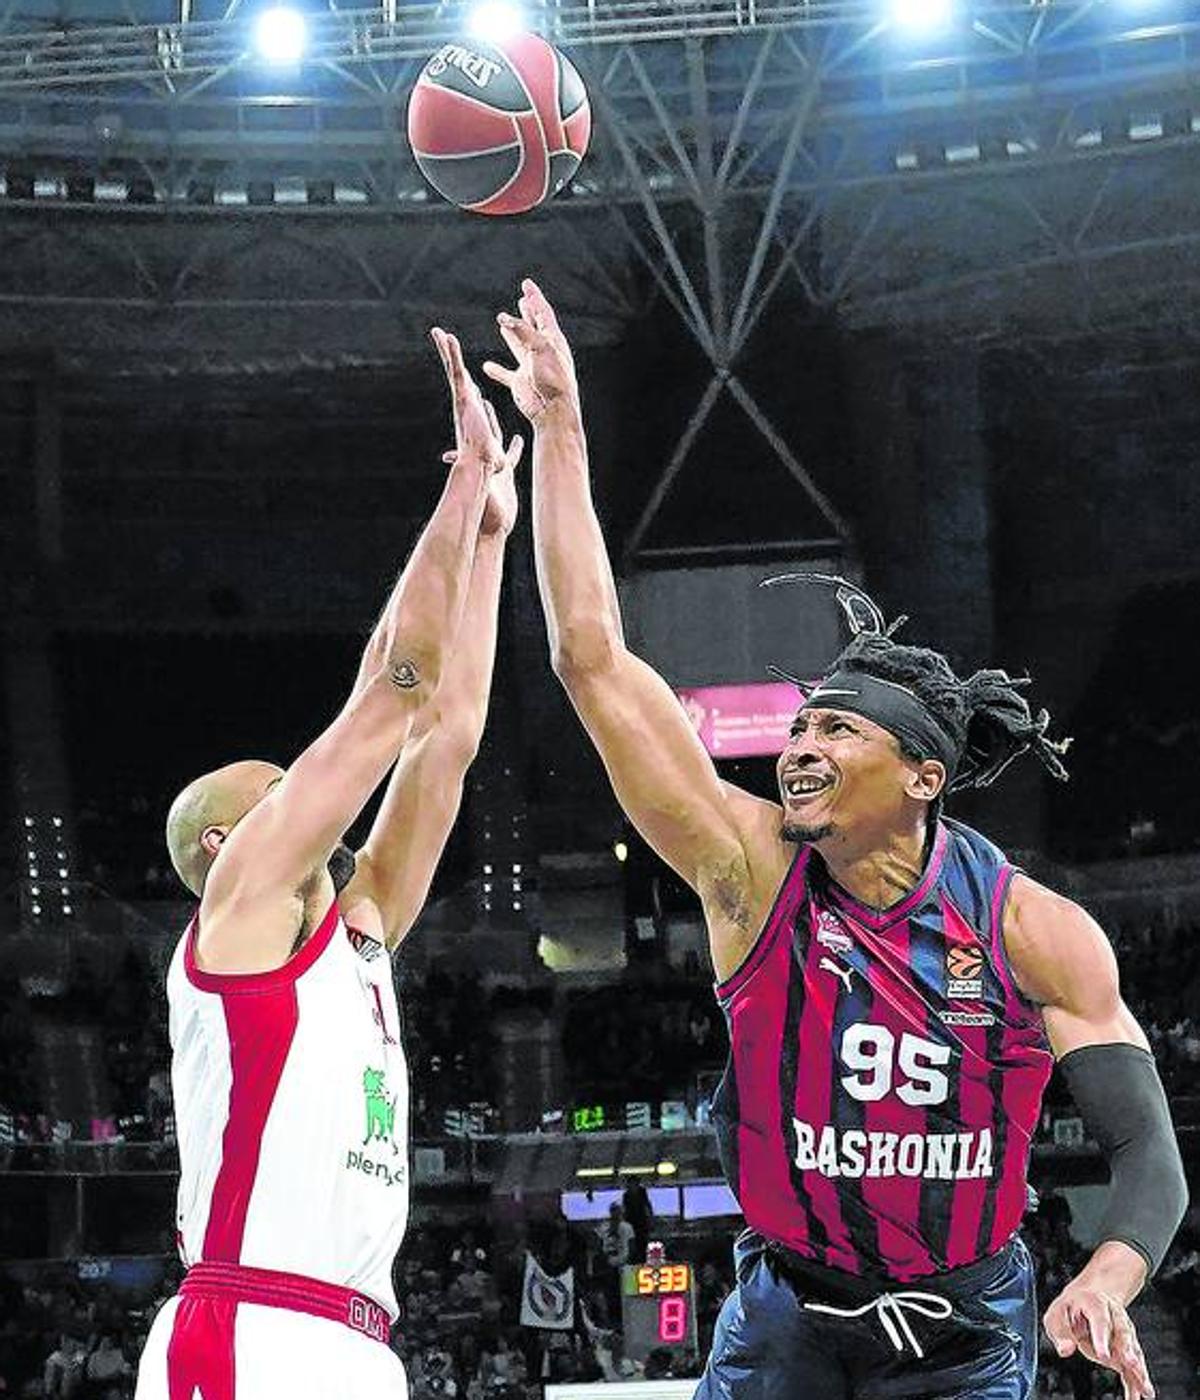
(739, 721)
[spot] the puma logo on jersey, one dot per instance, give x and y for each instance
(843, 974)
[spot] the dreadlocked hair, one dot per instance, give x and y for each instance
(986, 715)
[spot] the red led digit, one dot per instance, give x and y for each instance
(672, 1320)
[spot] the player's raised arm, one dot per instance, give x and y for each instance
(660, 772)
(1063, 961)
(270, 857)
(396, 864)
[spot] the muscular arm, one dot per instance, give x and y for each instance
(294, 828)
(1062, 960)
(273, 851)
(661, 775)
(396, 864)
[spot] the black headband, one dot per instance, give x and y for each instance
(894, 707)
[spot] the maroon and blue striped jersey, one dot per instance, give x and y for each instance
(885, 1074)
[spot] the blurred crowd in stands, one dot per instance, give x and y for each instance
(1160, 979)
(134, 1072)
(74, 1339)
(459, 1331)
(450, 1045)
(1178, 1282)
(1058, 1257)
(649, 1044)
(654, 1034)
(647, 1037)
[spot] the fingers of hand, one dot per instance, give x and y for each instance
(529, 313)
(1091, 1324)
(500, 373)
(1058, 1328)
(519, 335)
(1129, 1360)
(513, 452)
(1102, 1330)
(493, 421)
(451, 353)
(543, 312)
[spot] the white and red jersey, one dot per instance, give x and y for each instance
(291, 1111)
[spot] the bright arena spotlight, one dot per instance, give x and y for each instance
(494, 20)
(921, 16)
(280, 34)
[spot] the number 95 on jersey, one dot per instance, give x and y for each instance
(658, 1308)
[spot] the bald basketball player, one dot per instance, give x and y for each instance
(291, 1092)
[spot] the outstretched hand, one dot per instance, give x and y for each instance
(1093, 1322)
(544, 373)
(500, 511)
(477, 435)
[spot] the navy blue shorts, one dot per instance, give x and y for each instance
(791, 1330)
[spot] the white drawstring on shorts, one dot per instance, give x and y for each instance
(890, 1309)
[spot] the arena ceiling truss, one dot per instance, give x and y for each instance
(1030, 173)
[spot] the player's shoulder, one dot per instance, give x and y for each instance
(965, 843)
(1030, 901)
(1053, 943)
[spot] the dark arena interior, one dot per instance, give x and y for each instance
(907, 294)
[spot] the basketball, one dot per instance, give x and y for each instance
(497, 128)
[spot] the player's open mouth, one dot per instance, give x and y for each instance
(799, 786)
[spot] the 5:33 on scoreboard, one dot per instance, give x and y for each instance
(658, 1308)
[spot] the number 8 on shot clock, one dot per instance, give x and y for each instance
(658, 1308)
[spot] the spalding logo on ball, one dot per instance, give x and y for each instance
(499, 127)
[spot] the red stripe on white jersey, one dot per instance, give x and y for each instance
(260, 1028)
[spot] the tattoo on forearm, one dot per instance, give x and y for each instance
(404, 674)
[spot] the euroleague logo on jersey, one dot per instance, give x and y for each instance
(964, 971)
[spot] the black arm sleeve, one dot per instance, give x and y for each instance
(1121, 1101)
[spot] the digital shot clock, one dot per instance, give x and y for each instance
(658, 1308)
